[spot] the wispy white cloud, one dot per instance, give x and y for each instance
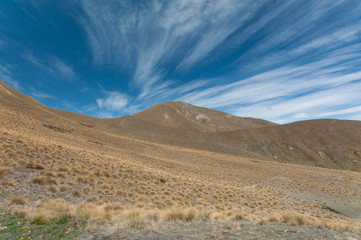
(62, 68)
(148, 37)
(346, 111)
(114, 101)
(225, 17)
(286, 93)
(29, 56)
(38, 94)
(291, 60)
(51, 65)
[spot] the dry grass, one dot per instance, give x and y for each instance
(17, 200)
(3, 172)
(76, 193)
(133, 181)
(44, 181)
(32, 165)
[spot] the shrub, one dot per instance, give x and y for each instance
(52, 189)
(50, 174)
(7, 183)
(188, 216)
(36, 166)
(76, 193)
(39, 219)
(113, 207)
(62, 175)
(17, 200)
(64, 188)
(238, 217)
(63, 169)
(3, 172)
(58, 129)
(44, 181)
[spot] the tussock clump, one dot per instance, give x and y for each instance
(3, 172)
(153, 216)
(88, 210)
(53, 189)
(82, 180)
(294, 219)
(39, 219)
(62, 175)
(44, 181)
(7, 183)
(22, 212)
(113, 207)
(182, 215)
(49, 174)
(36, 166)
(63, 169)
(64, 188)
(17, 200)
(76, 193)
(58, 129)
(238, 217)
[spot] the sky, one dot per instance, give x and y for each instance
(282, 61)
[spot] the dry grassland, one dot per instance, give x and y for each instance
(44, 179)
(51, 167)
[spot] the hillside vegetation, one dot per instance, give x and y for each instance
(143, 171)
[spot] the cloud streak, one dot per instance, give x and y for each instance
(7, 76)
(53, 66)
(282, 61)
(147, 37)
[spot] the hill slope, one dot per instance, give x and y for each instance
(126, 171)
(323, 143)
(188, 117)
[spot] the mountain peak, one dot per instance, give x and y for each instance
(190, 117)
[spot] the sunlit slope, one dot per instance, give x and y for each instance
(188, 117)
(113, 169)
(324, 143)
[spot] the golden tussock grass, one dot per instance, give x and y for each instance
(110, 185)
(76, 193)
(32, 165)
(17, 200)
(43, 181)
(3, 172)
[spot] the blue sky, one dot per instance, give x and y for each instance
(283, 61)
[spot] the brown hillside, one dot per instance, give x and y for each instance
(188, 117)
(127, 171)
(323, 143)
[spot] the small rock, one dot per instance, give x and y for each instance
(322, 154)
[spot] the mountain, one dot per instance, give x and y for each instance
(327, 143)
(188, 117)
(323, 143)
(176, 161)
